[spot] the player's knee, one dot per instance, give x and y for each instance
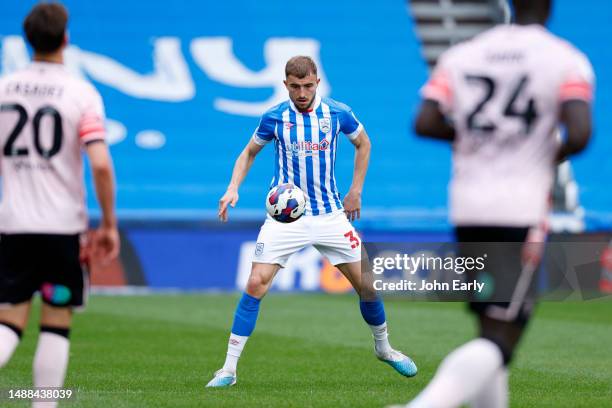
(256, 285)
(505, 347)
(504, 334)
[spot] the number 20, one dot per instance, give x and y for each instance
(11, 150)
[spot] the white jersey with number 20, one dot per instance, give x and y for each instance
(46, 117)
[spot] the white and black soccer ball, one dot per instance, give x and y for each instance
(286, 203)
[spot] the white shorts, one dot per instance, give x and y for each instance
(331, 234)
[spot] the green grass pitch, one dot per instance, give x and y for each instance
(308, 350)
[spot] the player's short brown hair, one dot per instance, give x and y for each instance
(300, 67)
(45, 27)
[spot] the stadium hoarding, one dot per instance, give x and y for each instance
(574, 266)
(216, 258)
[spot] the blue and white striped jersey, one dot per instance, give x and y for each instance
(305, 146)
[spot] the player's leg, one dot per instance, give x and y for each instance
(275, 244)
(247, 311)
(13, 320)
(373, 313)
(245, 319)
(63, 289)
(338, 241)
(371, 306)
(477, 371)
(52, 351)
(461, 375)
(18, 284)
(506, 335)
(495, 393)
(474, 372)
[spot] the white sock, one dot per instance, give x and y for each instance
(495, 393)
(8, 342)
(50, 363)
(381, 338)
(462, 374)
(235, 346)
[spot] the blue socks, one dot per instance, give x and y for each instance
(248, 308)
(246, 315)
(244, 324)
(373, 312)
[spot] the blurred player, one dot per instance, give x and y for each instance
(305, 132)
(505, 92)
(47, 117)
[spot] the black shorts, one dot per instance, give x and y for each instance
(505, 269)
(48, 263)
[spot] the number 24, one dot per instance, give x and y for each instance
(528, 115)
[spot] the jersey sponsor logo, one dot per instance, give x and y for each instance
(325, 125)
(307, 148)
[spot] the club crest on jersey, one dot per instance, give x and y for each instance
(289, 125)
(259, 248)
(325, 125)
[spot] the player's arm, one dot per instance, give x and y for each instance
(431, 122)
(576, 96)
(437, 93)
(241, 168)
(264, 134)
(352, 201)
(106, 239)
(105, 245)
(576, 117)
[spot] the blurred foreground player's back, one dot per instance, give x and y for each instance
(47, 117)
(500, 98)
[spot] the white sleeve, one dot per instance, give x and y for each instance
(579, 79)
(439, 86)
(91, 123)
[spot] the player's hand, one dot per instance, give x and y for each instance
(105, 245)
(230, 197)
(352, 205)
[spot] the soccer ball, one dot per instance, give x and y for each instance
(286, 203)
